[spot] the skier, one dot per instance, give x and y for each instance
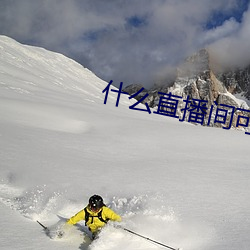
(95, 214)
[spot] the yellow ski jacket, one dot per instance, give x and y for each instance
(94, 223)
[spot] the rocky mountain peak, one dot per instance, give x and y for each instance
(197, 64)
(237, 81)
(196, 80)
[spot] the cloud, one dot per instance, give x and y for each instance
(131, 41)
(228, 28)
(232, 50)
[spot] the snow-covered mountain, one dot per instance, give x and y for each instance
(197, 78)
(237, 81)
(183, 185)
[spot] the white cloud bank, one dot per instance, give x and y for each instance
(130, 41)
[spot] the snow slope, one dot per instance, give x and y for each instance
(185, 186)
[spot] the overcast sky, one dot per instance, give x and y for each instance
(134, 41)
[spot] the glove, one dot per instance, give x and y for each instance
(62, 229)
(60, 234)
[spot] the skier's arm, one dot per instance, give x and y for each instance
(77, 217)
(110, 214)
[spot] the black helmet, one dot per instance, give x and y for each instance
(96, 202)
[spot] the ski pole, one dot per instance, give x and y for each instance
(45, 228)
(146, 238)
